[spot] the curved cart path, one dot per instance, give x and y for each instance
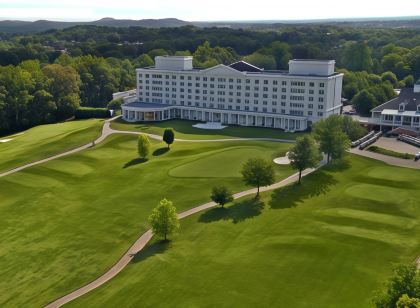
(107, 130)
(141, 242)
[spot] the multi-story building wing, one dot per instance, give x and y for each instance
(238, 94)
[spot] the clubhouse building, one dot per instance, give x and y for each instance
(236, 94)
(402, 112)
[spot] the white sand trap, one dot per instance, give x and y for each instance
(5, 140)
(282, 160)
(209, 125)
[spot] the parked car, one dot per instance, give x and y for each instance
(417, 156)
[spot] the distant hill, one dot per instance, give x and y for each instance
(23, 27)
(17, 26)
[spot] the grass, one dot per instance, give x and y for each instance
(387, 152)
(184, 130)
(329, 242)
(67, 221)
(46, 140)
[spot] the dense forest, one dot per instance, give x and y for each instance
(45, 77)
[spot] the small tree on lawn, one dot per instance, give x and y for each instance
(221, 195)
(257, 172)
(304, 154)
(143, 146)
(168, 136)
(164, 219)
(333, 141)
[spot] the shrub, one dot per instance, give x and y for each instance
(90, 112)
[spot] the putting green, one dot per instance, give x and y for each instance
(225, 163)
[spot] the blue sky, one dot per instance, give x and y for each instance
(195, 10)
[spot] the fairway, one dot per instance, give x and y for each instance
(46, 140)
(329, 242)
(67, 221)
(184, 129)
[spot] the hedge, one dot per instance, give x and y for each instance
(383, 151)
(89, 112)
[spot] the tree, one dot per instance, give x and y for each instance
(364, 101)
(402, 289)
(409, 81)
(221, 195)
(164, 219)
(352, 128)
(304, 154)
(143, 60)
(332, 140)
(390, 76)
(168, 136)
(358, 57)
(115, 104)
(258, 59)
(257, 172)
(143, 146)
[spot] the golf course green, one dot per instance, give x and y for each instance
(329, 242)
(46, 140)
(184, 129)
(67, 221)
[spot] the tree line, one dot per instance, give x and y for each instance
(33, 93)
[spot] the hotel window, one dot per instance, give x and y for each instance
(274, 110)
(197, 85)
(238, 87)
(230, 86)
(256, 89)
(309, 113)
(211, 78)
(311, 91)
(247, 88)
(320, 107)
(204, 78)
(255, 102)
(265, 89)
(238, 93)
(265, 95)
(321, 91)
(189, 78)
(283, 83)
(238, 80)
(230, 79)
(248, 81)
(265, 81)
(181, 77)
(310, 106)
(255, 108)
(320, 99)
(264, 109)
(321, 85)
(283, 90)
(238, 107)
(275, 82)
(311, 99)
(147, 75)
(238, 100)
(257, 81)
(274, 96)
(283, 104)
(274, 103)
(320, 114)
(311, 84)
(274, 89)
(283, 97)
(246, 108)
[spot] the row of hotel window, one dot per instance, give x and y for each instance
(231, 80)
(230, 99)
(222, 86)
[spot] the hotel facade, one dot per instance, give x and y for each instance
(236, 94)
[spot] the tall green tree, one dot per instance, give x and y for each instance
(332, 140)
(168, 136)
(304, 154)
(164, 219)
(352, 128)
(364, 101)
(143, 146)
(258, 172)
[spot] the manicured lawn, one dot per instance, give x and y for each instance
(327, 243)
(66, 222)
(184, 130)
(46, 140)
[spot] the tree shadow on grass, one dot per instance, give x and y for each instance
(338, 165)
(290, 196)
(134, 162)
(237, 212)
(160, 151)
(155, 248)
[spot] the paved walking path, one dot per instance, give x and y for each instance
(141, 242)
(107, 130)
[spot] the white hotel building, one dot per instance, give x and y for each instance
(237, 94)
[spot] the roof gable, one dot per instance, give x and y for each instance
(221, 69)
